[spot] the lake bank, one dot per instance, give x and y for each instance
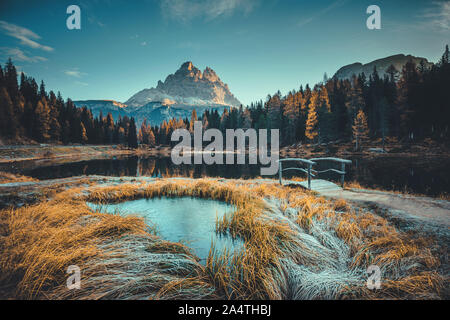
(427, 210)
(406, 175)
(10, 154)
(429, 148)
(373, 149)
(411, 171)
(293, 238)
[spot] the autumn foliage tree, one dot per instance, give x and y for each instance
(312, 122)
(360, 129)
(146, 135)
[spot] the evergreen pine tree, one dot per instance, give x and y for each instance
(42, 121)
(132, 135)
(11, 81)
(445, 57)
(109, 128)
(325, 122)
(55, 127)
(291, 112)
(2, 77)
(8, 121)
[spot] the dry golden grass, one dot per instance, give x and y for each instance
(6, 177)
(39, 242)
(247, 276)
(356, 185)
(372, 240)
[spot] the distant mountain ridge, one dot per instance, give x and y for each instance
(154, 112)
(398, 61)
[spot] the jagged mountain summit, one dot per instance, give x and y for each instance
(188, 86)
(398, 61)
(176, 97)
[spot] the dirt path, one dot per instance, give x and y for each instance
(412, 207)
(419, 207)
(430, 217)
(418, 213)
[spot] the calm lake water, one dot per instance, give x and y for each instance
(188, 220)
(429, 176)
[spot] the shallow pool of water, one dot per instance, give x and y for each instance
(187, 220)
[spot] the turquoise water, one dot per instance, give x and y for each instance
(187, 220)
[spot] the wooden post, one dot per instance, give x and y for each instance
(279, 171)
(309, 176)
(343, 175)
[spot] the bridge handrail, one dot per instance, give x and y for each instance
(328, 170)
(298, 159)
(299, 169)
(332, 159)
(309, 171)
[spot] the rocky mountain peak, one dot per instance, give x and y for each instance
(187, 65)
(187, 70)
(188, 86)
(210, 75)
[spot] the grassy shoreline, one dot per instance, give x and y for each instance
(9, 154)
(52, 151)
(298, 246)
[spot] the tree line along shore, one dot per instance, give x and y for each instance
(405, 106)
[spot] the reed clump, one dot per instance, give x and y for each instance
(39, 242)
(249, 275)
(410, 263)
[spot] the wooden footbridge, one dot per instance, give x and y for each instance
(316, 184)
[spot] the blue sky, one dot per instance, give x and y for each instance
(256, 46)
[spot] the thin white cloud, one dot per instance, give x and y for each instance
(90, 7)
(84, 84)
(26, 36)
(18, 55)
(74, 73)
(93, 20)
(188, 45)
(438, 15)
(144, 43)
(187, 10)
(332, 6)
